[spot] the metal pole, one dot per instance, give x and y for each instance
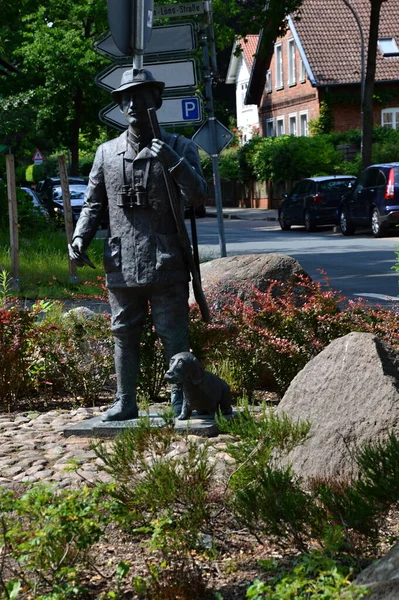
(363, 71)
(212, 130)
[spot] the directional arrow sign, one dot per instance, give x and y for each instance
(177, 74)
(171, 38)
(180, 110)
(203, 138)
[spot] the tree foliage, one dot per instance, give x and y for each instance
(54, 96)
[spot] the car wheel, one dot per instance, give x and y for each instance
(345, 224)
(283, 223)
(377, 229)
(308, 221)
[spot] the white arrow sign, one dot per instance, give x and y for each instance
(180, 110)
(172, 38)
(177, 74)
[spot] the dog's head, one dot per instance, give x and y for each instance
(184, 367)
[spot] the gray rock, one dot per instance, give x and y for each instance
(350, 393)
(255, 269)
(382, 577)
(80, 313)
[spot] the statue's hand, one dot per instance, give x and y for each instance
(164, 153)
(77, 255)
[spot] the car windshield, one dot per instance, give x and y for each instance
(76, 192)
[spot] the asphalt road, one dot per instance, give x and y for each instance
(358, 266)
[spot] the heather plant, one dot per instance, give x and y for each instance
(46, 537)
(313, 576)
(157, 492)
(344, 515)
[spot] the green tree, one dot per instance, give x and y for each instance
(55, 96)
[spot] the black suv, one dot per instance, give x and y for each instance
(314, 201)
(373, 202)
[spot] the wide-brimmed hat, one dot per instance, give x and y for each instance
(137, 78)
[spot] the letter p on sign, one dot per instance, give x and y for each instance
(190, 109)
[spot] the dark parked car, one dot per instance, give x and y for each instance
(314, 201)
(373, 202)
(44, 189)
(76, 194)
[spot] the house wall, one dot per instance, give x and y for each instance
(291, 97)
(247, 115)
(345, 104)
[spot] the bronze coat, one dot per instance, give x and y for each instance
(142, 247)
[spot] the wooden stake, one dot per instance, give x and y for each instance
(13, 220)
(66, 200)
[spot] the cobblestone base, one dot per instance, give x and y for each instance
(34, 449)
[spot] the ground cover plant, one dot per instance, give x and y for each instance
(177, 511)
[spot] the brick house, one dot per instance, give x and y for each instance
(319, 59)
(238, 73)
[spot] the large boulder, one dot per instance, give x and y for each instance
(350, 393)
(382, 577)
(226, 274)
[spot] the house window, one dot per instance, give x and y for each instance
(303, 124)
(390, 118)
(291, 63)
(292, 124)
(302, 71)
(279, 126)
(388, 46)
(269, 128)
(279, 65)
(244, 87)
(268, 81)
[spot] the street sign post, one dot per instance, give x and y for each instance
(203, 138)
(164, 40)
(176, 75)
(130, 22)
(181, 110)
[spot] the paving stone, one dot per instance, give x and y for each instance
(12, 471)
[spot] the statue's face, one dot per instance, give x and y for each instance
(135, 102)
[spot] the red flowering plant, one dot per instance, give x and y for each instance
(268, 337)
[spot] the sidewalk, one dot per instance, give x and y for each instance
(256, 214)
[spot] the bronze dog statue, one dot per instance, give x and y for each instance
(202, 391)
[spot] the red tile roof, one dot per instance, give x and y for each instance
(331, 40)
(249, 46)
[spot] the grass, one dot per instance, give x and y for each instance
(44, 270)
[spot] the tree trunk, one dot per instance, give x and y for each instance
(367, 107)
(75, 129)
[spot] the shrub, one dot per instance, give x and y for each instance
(291, 158)
(268, 337)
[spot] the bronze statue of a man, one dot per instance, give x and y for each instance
(143, 257)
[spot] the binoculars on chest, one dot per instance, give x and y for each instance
(129, 197)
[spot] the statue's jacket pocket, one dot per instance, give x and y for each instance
(168, 252)
(112, 255)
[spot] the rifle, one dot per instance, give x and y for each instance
(181, 228)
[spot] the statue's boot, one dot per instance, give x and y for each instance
(177, 398)
(127, 360)
(124, 408)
